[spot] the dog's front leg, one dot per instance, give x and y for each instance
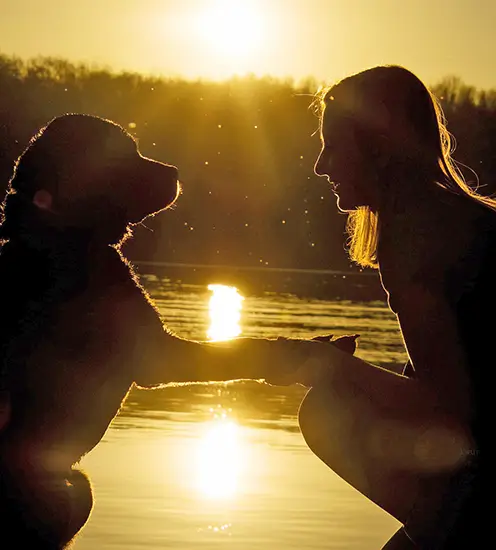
(183, 361)
(160, 358)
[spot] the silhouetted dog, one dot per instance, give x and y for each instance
(77, 330)
(75, 325)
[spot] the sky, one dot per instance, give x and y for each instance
(214, 39)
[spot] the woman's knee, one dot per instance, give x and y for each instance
(307, 412)
(81, 497)
(400, 541)
(315, 417)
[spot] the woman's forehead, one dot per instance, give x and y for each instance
(334, 121)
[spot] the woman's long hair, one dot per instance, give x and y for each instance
(391, 101)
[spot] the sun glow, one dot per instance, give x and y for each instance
(232, 28)
(225, 312)
(219, 460)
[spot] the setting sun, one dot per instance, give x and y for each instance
(232, 28)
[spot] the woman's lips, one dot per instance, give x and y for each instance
(334, 185)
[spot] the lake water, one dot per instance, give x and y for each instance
(225, 466)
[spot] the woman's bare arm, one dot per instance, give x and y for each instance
(168, 359)
(431, 335)
(384, 433)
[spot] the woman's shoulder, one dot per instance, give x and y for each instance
(463, 253)
(429, 245)
(477, 261)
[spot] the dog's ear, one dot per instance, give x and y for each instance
(43, 199)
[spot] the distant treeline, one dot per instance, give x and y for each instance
(245, 149)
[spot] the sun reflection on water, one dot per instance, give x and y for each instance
(219, 459)
(225, 312)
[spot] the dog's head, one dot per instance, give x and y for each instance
(86, 172)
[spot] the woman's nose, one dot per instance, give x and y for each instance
(319, 166)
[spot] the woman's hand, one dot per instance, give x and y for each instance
(314, 360)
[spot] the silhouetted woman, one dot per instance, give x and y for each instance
(417, 443)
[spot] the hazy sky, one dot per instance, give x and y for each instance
(215, 38)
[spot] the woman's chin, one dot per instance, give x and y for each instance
(349, 204)
(343, 206)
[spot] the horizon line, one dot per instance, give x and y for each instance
(308, 271)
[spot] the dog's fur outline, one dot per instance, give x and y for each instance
(65, 331)
(74, 192)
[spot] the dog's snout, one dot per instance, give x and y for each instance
(166, 171)
(174, 171)
(172, 179)
(159, 186)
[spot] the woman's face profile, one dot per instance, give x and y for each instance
(342, 161)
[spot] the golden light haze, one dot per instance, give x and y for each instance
(219, 459)
(218, 38)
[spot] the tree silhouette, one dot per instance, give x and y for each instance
(245, 152)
